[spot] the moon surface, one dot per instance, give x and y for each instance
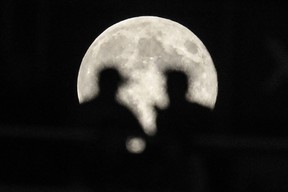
(142, 49)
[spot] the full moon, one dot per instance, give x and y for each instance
(142, 49)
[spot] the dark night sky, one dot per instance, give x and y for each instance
(43, 43)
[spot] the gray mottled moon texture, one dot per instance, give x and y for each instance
(142, 48)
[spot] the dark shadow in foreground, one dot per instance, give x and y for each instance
(114, 167)
(176, 126)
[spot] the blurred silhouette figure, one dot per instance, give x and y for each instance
(176, 127)
(114, 167)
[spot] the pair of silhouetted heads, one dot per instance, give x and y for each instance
(110, 80)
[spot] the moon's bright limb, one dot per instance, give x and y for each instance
(142, 48)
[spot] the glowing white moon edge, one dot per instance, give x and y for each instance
(142, 48)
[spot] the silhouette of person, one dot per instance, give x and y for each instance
(176, 126)
(114, 125)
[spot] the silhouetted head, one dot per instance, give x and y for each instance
(177, 85)
(109, 80)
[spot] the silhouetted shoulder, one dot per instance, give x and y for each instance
(176, 126)
(181, 116)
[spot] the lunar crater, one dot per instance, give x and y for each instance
(191, 47)
(150, 47)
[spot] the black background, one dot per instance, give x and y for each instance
(43, 43)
